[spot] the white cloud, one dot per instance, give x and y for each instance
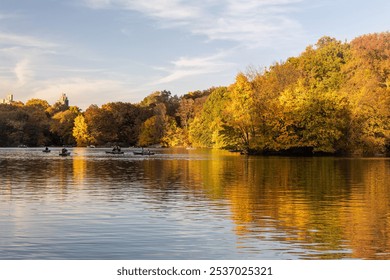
(23, 72)
(172, 10)
(192, 66)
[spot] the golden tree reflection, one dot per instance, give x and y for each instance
(79, 166)
(335, 207)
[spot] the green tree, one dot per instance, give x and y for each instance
(207, 127)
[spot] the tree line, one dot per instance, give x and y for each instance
(334, 98)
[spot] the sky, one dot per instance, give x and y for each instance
(100, 51)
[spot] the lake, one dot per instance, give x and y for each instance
(191, 204)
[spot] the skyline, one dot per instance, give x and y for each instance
(100, 51)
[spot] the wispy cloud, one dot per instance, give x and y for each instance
(251, 23)
(192, 66)
(21, 57)
(172, 10)
(246, 22)
(9, 39)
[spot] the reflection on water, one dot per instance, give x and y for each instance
(191, 204)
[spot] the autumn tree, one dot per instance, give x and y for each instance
(149, 132)
(268, 85)
(165, 97)
(41, 104)
(62, 126)
(11, 125)
(36, 131)
(316, 122)
(368, 89)
(28, 125)
(126, 121)
(101, 124)
(185, 112)
(80, 131)
(239, 114)
(315, 114)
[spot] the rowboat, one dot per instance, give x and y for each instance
(64, 154)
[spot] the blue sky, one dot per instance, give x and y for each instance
(99, 51)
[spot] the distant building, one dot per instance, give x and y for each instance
(64, 100)
(8, 100)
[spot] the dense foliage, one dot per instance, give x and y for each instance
(333, 98)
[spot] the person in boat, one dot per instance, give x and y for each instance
(116, 149)
(46, 149)
(64, 150)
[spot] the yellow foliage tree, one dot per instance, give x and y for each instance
(240, 112)
(80, 131)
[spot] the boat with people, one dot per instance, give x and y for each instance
(64, 152)
(46, 150)
(116, 150)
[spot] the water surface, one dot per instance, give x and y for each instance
(191, 204)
